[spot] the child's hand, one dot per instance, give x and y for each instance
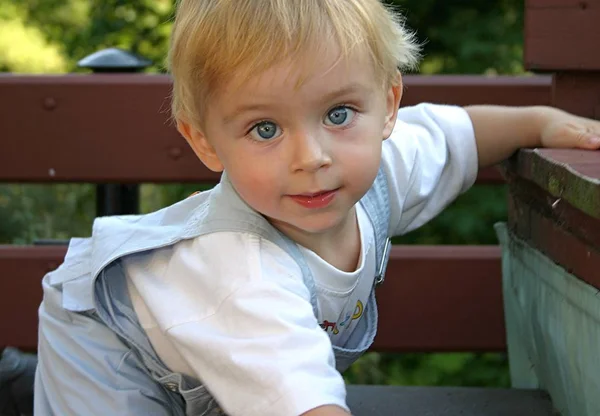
(500, 131)
(564, 130)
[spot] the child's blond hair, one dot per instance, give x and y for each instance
(213, 40)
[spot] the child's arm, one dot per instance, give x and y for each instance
(327, 411)
(234, 313)
(434, 152)
(500, 131)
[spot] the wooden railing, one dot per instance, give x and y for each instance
(116, 129)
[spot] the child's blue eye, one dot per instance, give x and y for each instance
(339, 116)
(265, 130)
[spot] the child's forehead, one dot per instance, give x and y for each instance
(284, 88)
(326, 69)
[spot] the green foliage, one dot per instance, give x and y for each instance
(461, 36)
(24, 47)
(52, 35)
(468, 220)
(450, 369)
(35, 212)
(467, 36)
(141, 27)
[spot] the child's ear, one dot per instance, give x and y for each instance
(394, 95)
(200, 145)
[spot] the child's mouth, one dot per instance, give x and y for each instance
(315, 200)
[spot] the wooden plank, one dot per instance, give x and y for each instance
(444, 298)
(116, 128)
(447, 401)
(21, 291)
(569, 174)
(551, 216)
(562, 35)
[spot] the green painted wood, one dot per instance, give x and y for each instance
(553, 328)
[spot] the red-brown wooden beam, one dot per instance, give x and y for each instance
(562, 35)
(116, 128)
(444, 298)
(578, 93)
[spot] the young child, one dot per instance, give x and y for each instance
(253, 297)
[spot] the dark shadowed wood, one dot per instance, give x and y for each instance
(562, 35)
(490, 176)
(577, 93)
(564, 247)
(116, 128)
(554, 205)
(447, 401)
(433, 298)
(21, 291)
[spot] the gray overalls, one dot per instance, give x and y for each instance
(94, 357)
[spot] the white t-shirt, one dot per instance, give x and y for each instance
(232, 310)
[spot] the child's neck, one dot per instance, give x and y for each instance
(339, 247)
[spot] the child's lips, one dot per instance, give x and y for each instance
(319, 199)
(315, 194)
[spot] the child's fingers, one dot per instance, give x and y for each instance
(579, 133)
(588, 139)
(591, 134)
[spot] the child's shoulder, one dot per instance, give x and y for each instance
(215, 261)
(114, 237)
(186, 230)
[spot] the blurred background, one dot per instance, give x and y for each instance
(460, 36)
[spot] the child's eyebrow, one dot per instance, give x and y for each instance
(350, 89)
(242, 108)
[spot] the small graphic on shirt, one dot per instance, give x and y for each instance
(335, 326)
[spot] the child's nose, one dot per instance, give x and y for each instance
(310, 153)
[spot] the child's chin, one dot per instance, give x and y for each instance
(319, 224)
(305, 225)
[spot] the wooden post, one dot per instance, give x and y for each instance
(563, 37)
(111, 198)
(551, 246)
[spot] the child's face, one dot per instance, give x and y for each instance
(301, 156)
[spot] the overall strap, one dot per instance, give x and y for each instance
(376, 203)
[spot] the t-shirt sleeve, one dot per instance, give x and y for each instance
(236, 308)
(430, 159)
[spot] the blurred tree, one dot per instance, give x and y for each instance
(467, 36)
(24, 47)
(460, 36)
(142, 27)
